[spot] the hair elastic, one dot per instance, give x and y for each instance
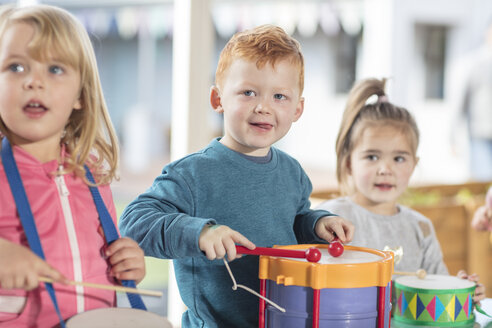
(382, 99)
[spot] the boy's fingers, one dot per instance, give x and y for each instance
(350, 233)
(220, 251)
(241, 240)
(326, 234)
(230, 249)
(210, 252)
(338, 230)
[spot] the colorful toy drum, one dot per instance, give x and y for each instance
(350, 291)
(117, 318)
(436, 301)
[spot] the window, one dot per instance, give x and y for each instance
(431, 47)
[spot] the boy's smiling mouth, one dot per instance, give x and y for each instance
(263, 126)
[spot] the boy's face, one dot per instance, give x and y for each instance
(381, 165)
(259, 105)
(36, 98)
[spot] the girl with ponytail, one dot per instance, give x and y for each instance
(376, 155)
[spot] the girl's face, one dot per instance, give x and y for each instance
(36, 98)
(259, 104)
(381, 164)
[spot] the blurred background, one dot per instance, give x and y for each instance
(157, 60)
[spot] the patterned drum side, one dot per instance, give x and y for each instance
(447, 304)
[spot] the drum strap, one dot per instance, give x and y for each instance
(111, 235)
(29, 226)
(25, 213)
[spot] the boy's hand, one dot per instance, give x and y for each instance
(329, 226)
(20, 267)
(482, 219)
(479, 290)
(217, 240)
(126, 259)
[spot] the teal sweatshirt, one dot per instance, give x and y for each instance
(268, 203)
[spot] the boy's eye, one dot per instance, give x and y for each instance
(249, 93)
(54, 69)
(16, 68)
(279, 96)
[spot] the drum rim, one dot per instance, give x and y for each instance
(318, 276)
(421, 290)
(113, 309)
(435, 291)
(470, 320)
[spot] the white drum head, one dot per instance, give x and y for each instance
(434, 282)
(118, 318)
(348, 257)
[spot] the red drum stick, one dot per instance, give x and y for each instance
(311, 254)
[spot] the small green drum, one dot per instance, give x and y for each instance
(436, 301)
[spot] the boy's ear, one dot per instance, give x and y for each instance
(299, 109)
(215, 99)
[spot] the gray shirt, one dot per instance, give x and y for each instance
(408, 229)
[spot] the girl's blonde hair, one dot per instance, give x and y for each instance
(89, 134)
(265, 44)
(359, 114)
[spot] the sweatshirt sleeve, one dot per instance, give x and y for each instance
(306, 218)
(161, 219)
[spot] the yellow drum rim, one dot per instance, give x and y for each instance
(318, 276)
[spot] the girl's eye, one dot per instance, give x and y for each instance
(16, 68)
(56, 69)
(372, 157)
(399, 159)
(279, 96)
(249, 93)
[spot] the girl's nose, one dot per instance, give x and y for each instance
(34, 81)
(384, 169)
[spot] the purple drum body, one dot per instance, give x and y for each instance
(339, 307)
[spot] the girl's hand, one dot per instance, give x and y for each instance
(126, 259)
(217, 240)
(20, 267)
(482, 219)
(329, 226)
(479, 290)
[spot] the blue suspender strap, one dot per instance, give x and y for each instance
(25, 213)
(111, 235)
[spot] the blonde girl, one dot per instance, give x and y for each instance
(54, 122)
(376, 156)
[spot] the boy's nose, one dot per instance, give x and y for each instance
(262, 108)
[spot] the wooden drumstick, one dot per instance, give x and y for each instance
(420, 273)
(310, 254)
(108, 287)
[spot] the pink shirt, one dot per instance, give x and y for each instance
(68, 224)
